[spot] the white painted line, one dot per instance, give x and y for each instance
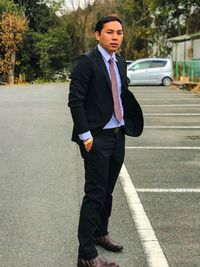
(153, 251)
(172, 127)
(153, 90)
(169, 190)
(173, 105)
(168, 99)
(171, 114)
(165, 147)
(160, 94)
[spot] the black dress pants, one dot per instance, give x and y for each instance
(102, 166)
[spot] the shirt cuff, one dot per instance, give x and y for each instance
(85, 136)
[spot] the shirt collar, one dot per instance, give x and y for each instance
(105, 54)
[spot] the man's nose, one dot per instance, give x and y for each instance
(115, 36)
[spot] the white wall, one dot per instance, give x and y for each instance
(196, 49)
(186, 50)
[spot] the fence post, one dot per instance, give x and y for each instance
(177, 74)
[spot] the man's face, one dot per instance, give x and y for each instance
(111, 36)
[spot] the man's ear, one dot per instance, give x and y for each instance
(97, 35)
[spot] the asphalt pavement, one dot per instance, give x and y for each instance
(41, 179)
(164, 165)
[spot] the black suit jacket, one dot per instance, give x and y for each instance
(90, 96)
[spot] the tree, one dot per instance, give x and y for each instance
(172, 18)
(40, 14)
(11, 36)
(149, 24)
(81, 11)
(193, 22)
(35, 53)
(7, 6)
(137, 23)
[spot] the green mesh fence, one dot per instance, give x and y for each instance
(190, 68)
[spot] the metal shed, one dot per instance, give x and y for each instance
(186, 47)
(186, 55)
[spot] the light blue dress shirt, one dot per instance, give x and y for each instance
(113, 122)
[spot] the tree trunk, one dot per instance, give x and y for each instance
(84, 29)
(12, 68)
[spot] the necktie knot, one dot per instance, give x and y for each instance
(110, 60)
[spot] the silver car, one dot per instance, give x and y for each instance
(150, 71)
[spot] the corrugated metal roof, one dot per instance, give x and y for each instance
(185, 37)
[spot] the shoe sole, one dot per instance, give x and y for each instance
(108, 249)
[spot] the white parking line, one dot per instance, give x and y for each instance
(165, 147)
(172, 105)
(172, 127)
(154, 90)
(150, 90)
(169, 190)
(171, 114)
(168, 99)
(153, 252)
(160, 94)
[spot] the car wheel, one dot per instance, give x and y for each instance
(166, 81)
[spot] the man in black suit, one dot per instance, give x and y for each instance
(103, 111)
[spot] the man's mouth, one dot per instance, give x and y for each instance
(114, 44)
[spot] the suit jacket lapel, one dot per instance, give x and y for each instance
(102, 65)
(120, 66)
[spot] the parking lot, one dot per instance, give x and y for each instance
(163, 166)
(156, 201)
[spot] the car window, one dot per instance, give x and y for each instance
(158, 63)
(128, 62)
(141, 65)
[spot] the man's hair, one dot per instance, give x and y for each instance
(103, 20)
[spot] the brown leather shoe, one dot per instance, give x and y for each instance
(109, 244)
(96, 262)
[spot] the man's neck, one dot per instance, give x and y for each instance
(109, 53)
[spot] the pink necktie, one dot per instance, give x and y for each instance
(115, 93)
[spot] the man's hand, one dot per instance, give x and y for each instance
(88, 143)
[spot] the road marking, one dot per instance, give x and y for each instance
(165, 147)
(172, 127)
(153, 251)
(154, 90)
(173, 105)
(171, 114)
(162, 94)
(169, 190)
(168, 99)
